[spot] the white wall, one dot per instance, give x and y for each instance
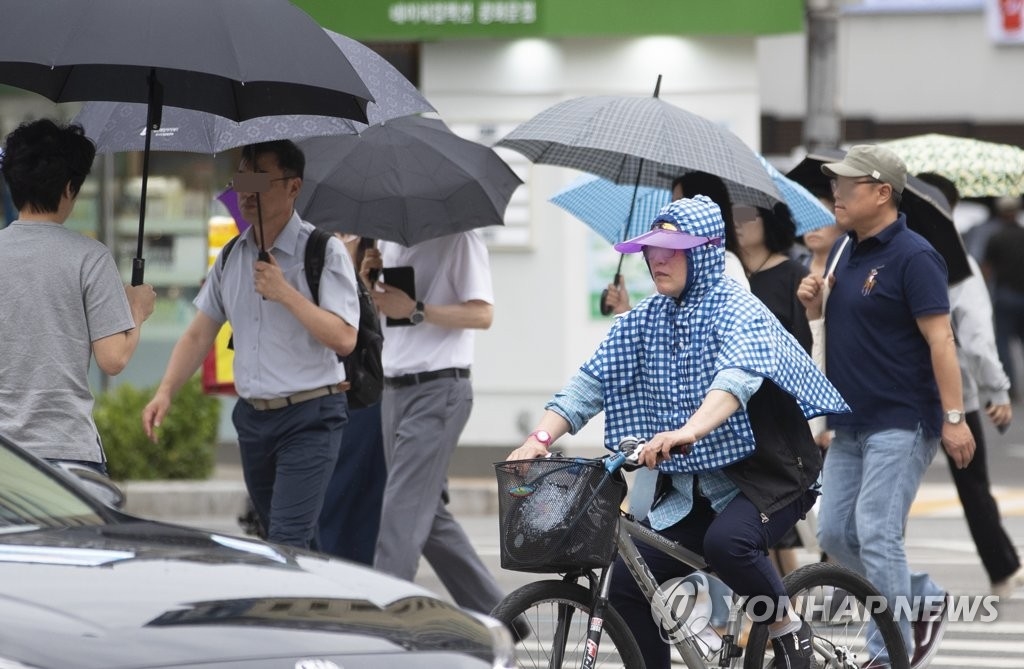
(893, 66)
(542, 329)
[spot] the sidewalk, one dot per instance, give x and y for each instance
(217, 502)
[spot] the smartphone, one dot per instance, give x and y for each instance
(365, 244)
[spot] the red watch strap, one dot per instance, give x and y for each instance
(546, 439)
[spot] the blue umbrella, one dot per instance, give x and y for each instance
(807, 211)
(605, 206)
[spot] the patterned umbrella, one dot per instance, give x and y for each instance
(120, 126)
(620, 137)
(605, 206)
(977, 168)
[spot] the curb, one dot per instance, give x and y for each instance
(226, 499)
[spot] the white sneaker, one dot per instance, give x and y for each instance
(1004, 588)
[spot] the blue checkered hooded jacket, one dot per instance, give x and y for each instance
(657, 362)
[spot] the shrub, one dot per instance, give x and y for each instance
(187, 435)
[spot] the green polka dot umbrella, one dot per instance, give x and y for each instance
(977, 168)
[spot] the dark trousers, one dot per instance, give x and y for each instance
(1008, 315)
(287, 458)
(350, 516)
(735, 545)
(995, 548)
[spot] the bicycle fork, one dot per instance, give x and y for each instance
(595, 624)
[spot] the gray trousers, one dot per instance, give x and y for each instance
(422, 425)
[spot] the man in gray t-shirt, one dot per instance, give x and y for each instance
(63, 300)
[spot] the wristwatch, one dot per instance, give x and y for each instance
(417, 314)
(543, 436)
(954, 416)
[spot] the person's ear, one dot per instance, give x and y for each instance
(294, 186)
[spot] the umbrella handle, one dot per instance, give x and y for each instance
(606, 309)
(138, 270)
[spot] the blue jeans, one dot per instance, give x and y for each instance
(288, 456)
(870, 480)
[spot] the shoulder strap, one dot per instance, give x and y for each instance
(226, 251)
(835, 258)
(316, 254)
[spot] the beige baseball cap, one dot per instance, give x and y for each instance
(871, 160)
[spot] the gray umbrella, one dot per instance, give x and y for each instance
(620, 137)
(407, 180)
(236, 58)
(121, 126)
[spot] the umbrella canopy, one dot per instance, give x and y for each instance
(928, 212)
(977, 168)
(806, 209)
(121, 126)
(239, 59)
(621, 138)
(605, 206)
(407, 180)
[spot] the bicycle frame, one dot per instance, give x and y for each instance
(629, 531)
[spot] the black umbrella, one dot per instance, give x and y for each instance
(239, 59)
(928, 212)
(406, 180)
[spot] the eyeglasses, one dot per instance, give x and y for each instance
(659, 254)
(742, 213)
(245, 184)
(846, 187)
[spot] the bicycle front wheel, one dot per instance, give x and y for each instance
(835, 601)
(550, 619)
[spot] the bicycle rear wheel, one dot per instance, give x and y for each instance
(834, 600)
(556, 613)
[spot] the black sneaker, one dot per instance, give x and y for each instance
(793, 650)
(928, 635)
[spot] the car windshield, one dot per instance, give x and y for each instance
(32, 499)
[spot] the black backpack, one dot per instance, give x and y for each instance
(363, 367)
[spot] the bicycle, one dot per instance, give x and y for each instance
(562, 515)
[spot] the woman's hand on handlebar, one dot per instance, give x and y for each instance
(662, 445)
(531, 448)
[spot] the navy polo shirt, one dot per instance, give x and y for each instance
(875, 355)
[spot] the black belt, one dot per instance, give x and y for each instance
(412, 379)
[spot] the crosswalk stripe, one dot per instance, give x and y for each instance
(980, 646)
(975, 662)
(940, 500)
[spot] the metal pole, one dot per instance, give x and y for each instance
(822, 127)
(107, 226)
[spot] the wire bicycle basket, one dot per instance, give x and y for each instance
(556, 514)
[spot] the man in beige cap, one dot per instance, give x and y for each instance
(890, 352)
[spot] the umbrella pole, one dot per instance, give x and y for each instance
(154, 116)
(606, 309)
(264, 256)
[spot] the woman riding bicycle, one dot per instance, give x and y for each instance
(726, 392)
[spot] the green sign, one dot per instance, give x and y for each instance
(423, 20)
